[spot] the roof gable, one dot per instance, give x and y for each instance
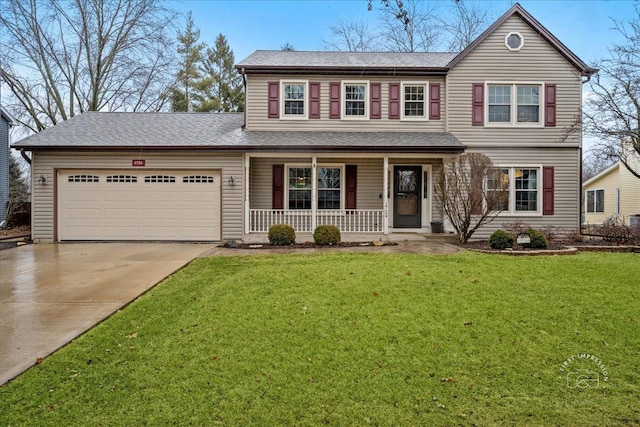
(7, 117)
(614, 167)
(519, 11)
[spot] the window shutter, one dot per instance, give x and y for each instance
(314, 100)
(434, 101)
(375, 109)
(274, 101)
(394, 100)
(547, 191)
(334, 100)
(477, 115)
(351, 172)
(277, 187)
(550, 105)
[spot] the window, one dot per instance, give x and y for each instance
(523, 189)
(355, 100)
(299, 188)
(159, 178)
(595, 201)
(294, 99)
(83, 178)
(414, 101)
(499, 104)
(122, 178)
(514, 41)
(526, 190)
(197, 179)
(514, 104)
(329, 185)
(497, 180)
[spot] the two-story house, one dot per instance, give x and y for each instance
(350, 139)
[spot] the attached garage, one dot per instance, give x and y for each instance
(175, 205)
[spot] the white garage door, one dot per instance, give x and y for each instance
(138, 205)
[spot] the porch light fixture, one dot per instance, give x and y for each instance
(232, 181)
(43, 180)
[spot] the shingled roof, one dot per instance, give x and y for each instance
(217, 131)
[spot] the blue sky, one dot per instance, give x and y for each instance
(583, 26)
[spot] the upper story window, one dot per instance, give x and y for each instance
(514, 41)
(294, 99)
(516, 104)
(354, 100)
(414, 100)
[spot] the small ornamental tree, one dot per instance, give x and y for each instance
(472, 192)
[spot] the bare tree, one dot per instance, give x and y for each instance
(351, 36)
(472, 192)
(464, 23)
(419, 34)
(63, 58)
(612, 115)
(593, 165)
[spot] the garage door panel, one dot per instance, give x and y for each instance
(138, 205)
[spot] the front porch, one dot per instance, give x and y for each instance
(366, 196)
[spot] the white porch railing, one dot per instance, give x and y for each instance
(347, 221)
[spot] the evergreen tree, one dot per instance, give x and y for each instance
(221, 87)
(190, 51)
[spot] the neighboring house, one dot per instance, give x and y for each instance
(6, 121)
(350, 139)
(614, 192)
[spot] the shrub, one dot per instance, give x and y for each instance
(282, 234)
(538, 241)
(575, 237)
(500, 239)
(516, 227)
(614, 230)
(326, 235)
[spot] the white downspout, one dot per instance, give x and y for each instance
(385, 196)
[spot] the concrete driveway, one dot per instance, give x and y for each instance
(50, 294)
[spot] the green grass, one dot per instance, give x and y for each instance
(354, 339)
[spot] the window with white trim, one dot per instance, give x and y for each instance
(414, 100)
(595, 201)
(329, 187)
(511, 104)
(523, 188)
(514, 41)
(355, 100)
(294, 99)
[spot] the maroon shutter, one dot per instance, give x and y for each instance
(434, 101)
(550, 105)
(314, 100)
(375, 110)
(274, 103)
(547, 192)
(351, 172)
(394, 100)
(477, 115)
(277, 187)
(334, 100)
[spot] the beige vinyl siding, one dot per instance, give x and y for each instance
(629, 191)
(491, 61)
(608, 183)
(46, 163)
(566, 187)
(257, 118)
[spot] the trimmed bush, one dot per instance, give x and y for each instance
(538, 241)
(282, 235)
(326, 235)
(500, 239)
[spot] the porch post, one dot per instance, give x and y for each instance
(385, 196)
(314, 190)
(247, 214)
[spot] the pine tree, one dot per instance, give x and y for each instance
(221, 87)
(190, 51)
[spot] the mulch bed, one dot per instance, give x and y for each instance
(305, 245)
(556, 247)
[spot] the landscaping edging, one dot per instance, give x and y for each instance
(569, 250)
(588, 248)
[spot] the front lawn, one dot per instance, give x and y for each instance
(356, 339)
